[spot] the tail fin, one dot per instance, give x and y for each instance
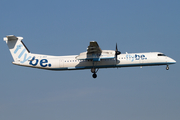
(18, 50)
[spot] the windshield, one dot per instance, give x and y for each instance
(161, 55)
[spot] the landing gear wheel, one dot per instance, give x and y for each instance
(167, 68)
(94, 75)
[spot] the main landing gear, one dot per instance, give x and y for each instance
(167, 67)
(94, 71)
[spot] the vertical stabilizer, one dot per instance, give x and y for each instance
(18, 50)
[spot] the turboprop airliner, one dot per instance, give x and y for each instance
(94, 58)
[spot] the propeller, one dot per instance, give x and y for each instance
(117, 53)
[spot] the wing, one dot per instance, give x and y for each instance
(95, 53)
(93, 48)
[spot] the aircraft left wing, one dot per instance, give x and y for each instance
(95, 53)
(93, 48)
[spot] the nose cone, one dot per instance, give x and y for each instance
(171, 61)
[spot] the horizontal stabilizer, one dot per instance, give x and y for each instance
(10, 37)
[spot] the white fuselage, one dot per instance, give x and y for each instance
(71, 63)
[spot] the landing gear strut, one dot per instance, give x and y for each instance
(167, 68)
(94, 71)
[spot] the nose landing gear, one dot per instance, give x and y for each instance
(167, 67)
(94, 71)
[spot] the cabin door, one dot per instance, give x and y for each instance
(61, 63)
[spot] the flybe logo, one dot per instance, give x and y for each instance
(21, 54)
(135, 57)
(43, 62)
(33, 61)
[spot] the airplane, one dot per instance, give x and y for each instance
(94, 58)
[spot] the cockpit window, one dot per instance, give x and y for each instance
(161, 54)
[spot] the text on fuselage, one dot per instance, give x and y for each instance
(135, 57)
(33, 61)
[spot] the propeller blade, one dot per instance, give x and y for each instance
(117, 52)
(116, 47)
